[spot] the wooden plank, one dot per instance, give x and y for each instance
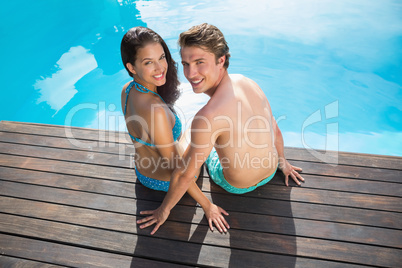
(70, 168)
(336, 198)
(229, 202)
(188, 253)
(85, 157)
(66, 132)
(75, 198)
(69, 255)
(325, 183)
(239, 221)
(6, 261)
(316, 229)
(305, 210)
(346, 185)
(73, 182)
(62, 142)
(344, 171)
(345, 158)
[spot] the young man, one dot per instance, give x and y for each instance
(235, 133)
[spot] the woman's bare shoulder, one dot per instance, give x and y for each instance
(123, 91)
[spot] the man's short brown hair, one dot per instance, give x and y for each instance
(208, 37)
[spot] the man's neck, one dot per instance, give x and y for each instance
(222, 76)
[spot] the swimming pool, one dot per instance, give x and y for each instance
(330, 69)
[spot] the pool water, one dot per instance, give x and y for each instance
(330, 69)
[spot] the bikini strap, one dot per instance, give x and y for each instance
(127, 92)
(139, 88)
(141, 141)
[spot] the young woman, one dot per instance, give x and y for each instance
(152, 123)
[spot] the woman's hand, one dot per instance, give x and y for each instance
(158, 217)
(214, 215)
(291, 171)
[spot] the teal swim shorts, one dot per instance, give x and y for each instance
(215, 171)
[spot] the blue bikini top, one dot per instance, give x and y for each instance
(177, 125)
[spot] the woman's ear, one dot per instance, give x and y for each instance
(130, 67)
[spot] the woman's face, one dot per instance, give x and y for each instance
(151, 66)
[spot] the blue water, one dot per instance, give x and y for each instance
(330, 69)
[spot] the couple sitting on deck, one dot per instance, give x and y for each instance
(234, 134)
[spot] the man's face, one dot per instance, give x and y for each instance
(200, 68)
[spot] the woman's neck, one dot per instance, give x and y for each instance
(148, 86)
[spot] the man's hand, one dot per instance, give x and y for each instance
(158, 217)
(214, 215)
(289, 170)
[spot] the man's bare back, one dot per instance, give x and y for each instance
(241, 121)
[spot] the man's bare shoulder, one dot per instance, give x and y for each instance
(242, 80)
(211, 110)
(236, 77)
(208, 111)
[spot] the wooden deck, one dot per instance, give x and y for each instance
(74, 202)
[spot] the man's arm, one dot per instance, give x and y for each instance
(284, 165)
(183, 180)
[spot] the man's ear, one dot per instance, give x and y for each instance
(221, 60)
(130, 67)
